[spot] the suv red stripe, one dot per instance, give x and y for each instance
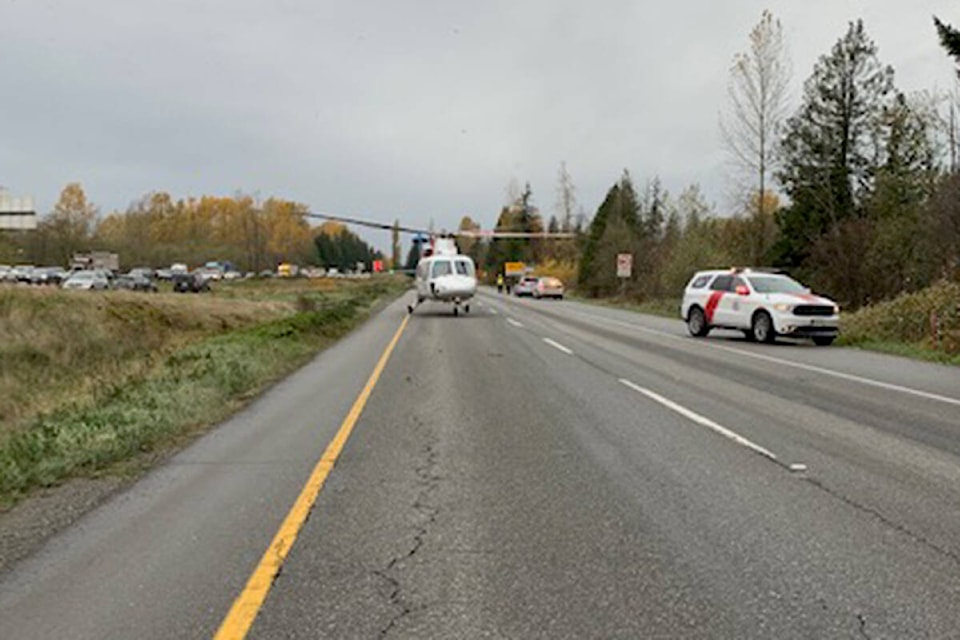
(712, 303)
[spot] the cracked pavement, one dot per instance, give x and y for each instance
(521, 495)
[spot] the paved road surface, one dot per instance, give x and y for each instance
(543, 469)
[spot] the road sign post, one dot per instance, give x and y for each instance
(624, 265)
(624, 270)
(16, 214)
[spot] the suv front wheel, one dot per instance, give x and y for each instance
(697, 323)
(762, 327)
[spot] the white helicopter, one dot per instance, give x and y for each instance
(443, 274)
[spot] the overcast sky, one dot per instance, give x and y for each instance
(417, 110)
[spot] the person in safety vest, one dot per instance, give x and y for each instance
(499, 283)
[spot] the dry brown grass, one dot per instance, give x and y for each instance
(60, 347)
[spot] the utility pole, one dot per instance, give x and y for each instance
(396, 244)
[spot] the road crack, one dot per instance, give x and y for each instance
(896, 526)
(427, 480)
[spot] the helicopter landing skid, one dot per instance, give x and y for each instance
(456, 307)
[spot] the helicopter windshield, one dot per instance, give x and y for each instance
(441, 268)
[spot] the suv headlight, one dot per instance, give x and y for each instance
(783, 307)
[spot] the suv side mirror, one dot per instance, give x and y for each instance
(743, 290)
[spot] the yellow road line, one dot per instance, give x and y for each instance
(247, 605)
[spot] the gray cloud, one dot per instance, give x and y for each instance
(416, 110)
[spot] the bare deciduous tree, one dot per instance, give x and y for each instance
(758, 93)
(566, 205)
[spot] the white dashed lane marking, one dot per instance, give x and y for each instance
(558, 346)
(710, 424)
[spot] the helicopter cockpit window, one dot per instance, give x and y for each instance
(441, 268)
(464, 268)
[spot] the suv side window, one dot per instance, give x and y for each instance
(722, 283)
(700, 282)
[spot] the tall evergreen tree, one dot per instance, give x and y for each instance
(614, 229)
(949, 38)
(589, 266)
(654, 210)
(829, 152)
(518, 215)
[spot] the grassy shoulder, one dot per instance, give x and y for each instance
(171, 388)
(923, 325)
(665, 308)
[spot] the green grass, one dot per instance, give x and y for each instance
(60, 347)
(915, 351)
(903, 326)
(190, 388)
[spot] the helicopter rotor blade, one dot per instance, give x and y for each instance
(368, 223)
(542, 235)
(479, 234)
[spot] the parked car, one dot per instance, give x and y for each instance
(145, 272)
(48, 275)
(22, 273)
(525, 286)
(134, 282)
(548, 287)
(87, 281)
(193, 282)
(762, 304)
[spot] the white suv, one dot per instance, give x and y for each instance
(762, 304)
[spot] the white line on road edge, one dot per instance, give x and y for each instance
(797, 365)
(706, 422)
(558, 346)
(518, 325)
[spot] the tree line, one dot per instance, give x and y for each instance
(856, 190)
(157, 230)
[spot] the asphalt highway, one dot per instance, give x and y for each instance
(540, 469)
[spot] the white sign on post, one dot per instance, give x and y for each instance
(624, 265)
(16, 214)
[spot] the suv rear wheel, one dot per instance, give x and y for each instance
(697, 323)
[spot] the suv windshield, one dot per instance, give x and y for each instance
(776, 284)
